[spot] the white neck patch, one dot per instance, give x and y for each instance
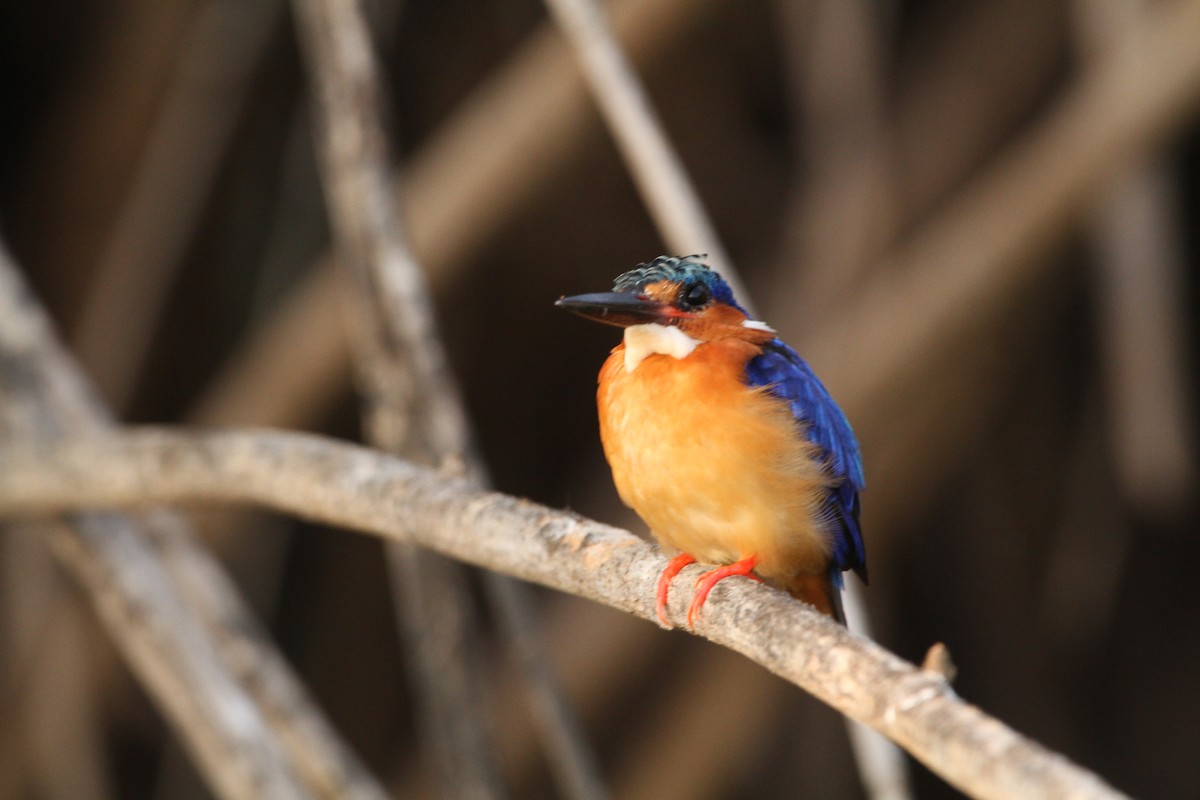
(646, 340)
(757, 325)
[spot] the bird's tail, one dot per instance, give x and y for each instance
(821, 592)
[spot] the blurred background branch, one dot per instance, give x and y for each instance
(652, 162)
(413, 409)
(925, 198)
(180, 625)
(409, 401)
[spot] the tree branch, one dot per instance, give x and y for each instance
(653, 164)
(408, 400)
(684, 224)
(414, 409)
(352, 487)
(237, 706)
(472, 178)
(1140, 273)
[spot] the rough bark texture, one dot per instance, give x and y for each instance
(181, 625)
(356, 488)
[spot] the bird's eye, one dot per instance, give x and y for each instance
(696, 295)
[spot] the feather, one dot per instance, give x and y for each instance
(783, 373)
(722, 439)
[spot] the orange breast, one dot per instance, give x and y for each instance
(715, 468)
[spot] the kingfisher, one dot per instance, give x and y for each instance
(723, 440)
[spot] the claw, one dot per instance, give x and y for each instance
(664, 584)
(710, 579)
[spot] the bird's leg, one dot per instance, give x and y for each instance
(664, 583)
(709, 579)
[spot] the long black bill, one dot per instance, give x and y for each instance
(616, 308)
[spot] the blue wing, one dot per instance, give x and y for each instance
(786, 375)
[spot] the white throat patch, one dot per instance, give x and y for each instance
(646, 340)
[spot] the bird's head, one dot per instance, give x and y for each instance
(681, 293)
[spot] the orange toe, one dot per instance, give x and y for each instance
(664, 584)
(710, 579)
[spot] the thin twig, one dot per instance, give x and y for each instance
(403, 415)
(414, 407)
(674, 203)
(412, 399)
(1140, 275)
(881, 764)
(240, 711)
(352, 487)
(660, 177)
(472, 178)
(841, 222)
(1142, 329)
(526, 110)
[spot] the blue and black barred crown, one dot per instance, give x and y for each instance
(678, 269)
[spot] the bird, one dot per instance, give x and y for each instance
(723, 440)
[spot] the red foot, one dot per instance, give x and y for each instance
(664, 584)
(709, 579)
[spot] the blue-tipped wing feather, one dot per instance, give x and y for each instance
(786, 375)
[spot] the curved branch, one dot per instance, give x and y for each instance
(353, 487)
(237, 706)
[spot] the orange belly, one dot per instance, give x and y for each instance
(715, 468)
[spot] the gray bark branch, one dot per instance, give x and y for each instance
(179, 622)
(414, 409)
(360, 489)
(408, 399)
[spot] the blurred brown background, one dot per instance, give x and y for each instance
(1027, 420)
